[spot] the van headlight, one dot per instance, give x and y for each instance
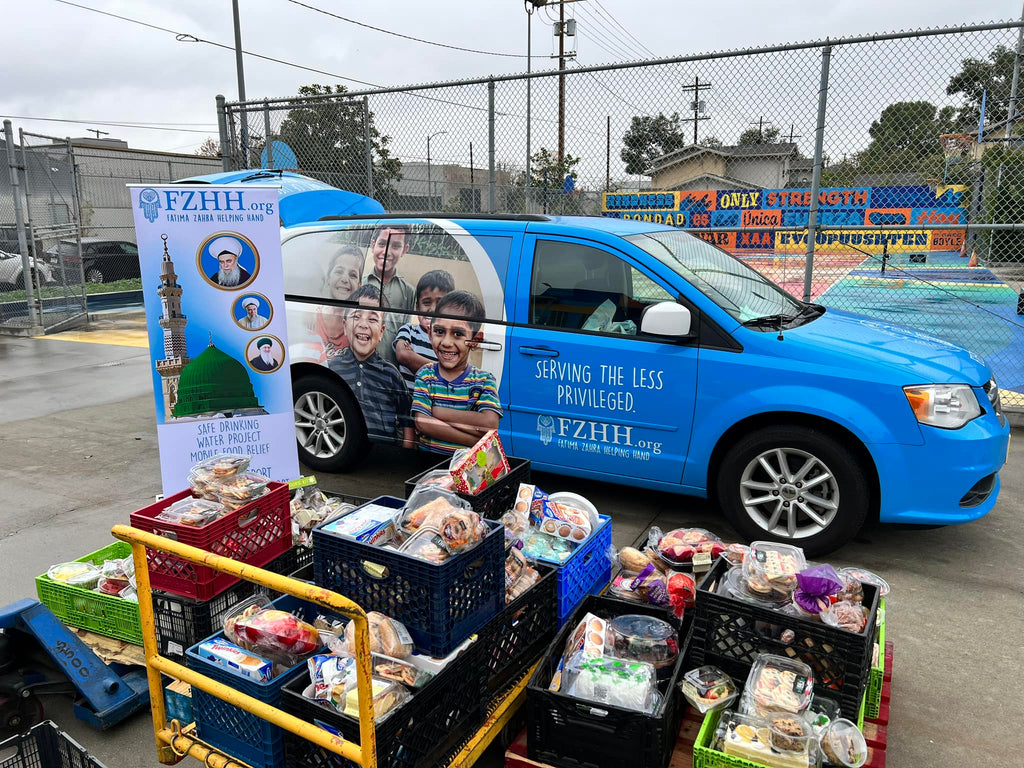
(948, 406)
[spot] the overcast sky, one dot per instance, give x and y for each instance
(67, 63)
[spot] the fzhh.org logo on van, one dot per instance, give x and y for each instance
(546, 427)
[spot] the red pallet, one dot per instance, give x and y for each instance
(254, 534)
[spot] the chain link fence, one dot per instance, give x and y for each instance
(821, 164)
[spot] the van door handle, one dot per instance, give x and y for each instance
(538, 351)
(492, 346)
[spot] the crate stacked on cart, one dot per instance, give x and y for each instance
(494, 500)
(585, 572)
(567, 731)
(730, 633)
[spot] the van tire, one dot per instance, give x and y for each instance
(750, 497)
(329, 429)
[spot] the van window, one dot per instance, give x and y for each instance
(579, 287)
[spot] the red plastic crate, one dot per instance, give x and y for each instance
(254, 534)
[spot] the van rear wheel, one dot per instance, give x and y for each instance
(329, 428)
(795, 485)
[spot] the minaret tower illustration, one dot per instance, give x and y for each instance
(173, 322)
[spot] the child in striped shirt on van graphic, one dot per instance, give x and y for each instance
(454, 403)
(412, 342)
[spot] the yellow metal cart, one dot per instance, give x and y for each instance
(175, 742)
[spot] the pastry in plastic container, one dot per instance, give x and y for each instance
(843, 745)
(201, 480)
(867, 577)
(708, 688)
(778, 684)
(790, 733)
(240, 488)
(481, 466)
(822, 711)
(400, 671)
(751, 738)
(643, 638)
(192, 512)
(753, 590)
(845, 615)
(85, 575)
(387, 697)
(775, 565)
(226, 464)
(387, 636)
(607, 680)
(678, 547)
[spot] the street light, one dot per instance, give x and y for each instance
(430, 194)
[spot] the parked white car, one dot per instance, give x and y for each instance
(11, 270)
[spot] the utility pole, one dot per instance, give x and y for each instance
(472, 183)
(792, 127)
(241, 84)
(697, 106)
(97, 132)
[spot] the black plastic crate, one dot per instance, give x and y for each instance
(731, 633)
(181, 622)
(45, 746)
(569, 732)
(445, 711)
(440, 604)
(515, 638)
(494, 500)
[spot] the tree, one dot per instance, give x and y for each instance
(209, 148)
(993, 77)
(648, 138)
(905, 138)
(769, 134)
(710, 141)
(328, 138)
(547, 177)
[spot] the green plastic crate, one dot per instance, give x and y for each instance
(706, 757)
(103, 614)
(876, 674)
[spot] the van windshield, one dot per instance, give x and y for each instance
(739, 290)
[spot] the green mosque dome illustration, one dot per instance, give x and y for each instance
(214, 382)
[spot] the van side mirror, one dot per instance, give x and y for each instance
(666, 318)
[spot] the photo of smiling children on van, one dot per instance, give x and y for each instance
(453, 402)
(413, 349)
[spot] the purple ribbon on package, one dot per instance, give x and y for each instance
(814, 585)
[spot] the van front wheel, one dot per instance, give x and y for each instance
(795, 485)
(329, 426)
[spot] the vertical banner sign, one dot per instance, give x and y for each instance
(210, 258)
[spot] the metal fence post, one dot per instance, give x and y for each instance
(19, 222)
(819, 141)
(267, 143)
(367, 146)
(490, 147)
(222, 129)
(76, 208)
(29, 228)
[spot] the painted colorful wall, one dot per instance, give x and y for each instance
(758, 208)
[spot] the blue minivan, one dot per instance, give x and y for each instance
(632, 353)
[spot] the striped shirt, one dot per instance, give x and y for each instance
(381, 392)
(474, 390)
(419, 340)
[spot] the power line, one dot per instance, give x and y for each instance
(613, 93)
(610, 38)
(608, 14)
(185, 37)
(138, 126)
(405, 37)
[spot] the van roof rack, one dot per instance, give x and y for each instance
(434, 215)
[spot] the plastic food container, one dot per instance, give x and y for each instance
(842, 744)
(772, 568)
(85, 575)
(678, 547)
(779, 684)
(607, 680)
(751, 738)
(193, 512)
(620, 587)
(201, 480)
(867, 577)
(708, 688)
(576, 501)
(240, 488)
(822, 711)
(756, 591)
(225, 464)
(790, 733)
(643, 638)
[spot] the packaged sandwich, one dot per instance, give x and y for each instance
(387, 636)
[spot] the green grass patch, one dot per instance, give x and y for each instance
(58, 291)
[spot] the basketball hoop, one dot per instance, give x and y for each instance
(956, 146)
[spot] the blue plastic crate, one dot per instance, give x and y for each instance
(586, 571)
(245, 736)
(440, 604)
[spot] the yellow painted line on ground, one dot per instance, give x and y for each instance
(118, 338)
